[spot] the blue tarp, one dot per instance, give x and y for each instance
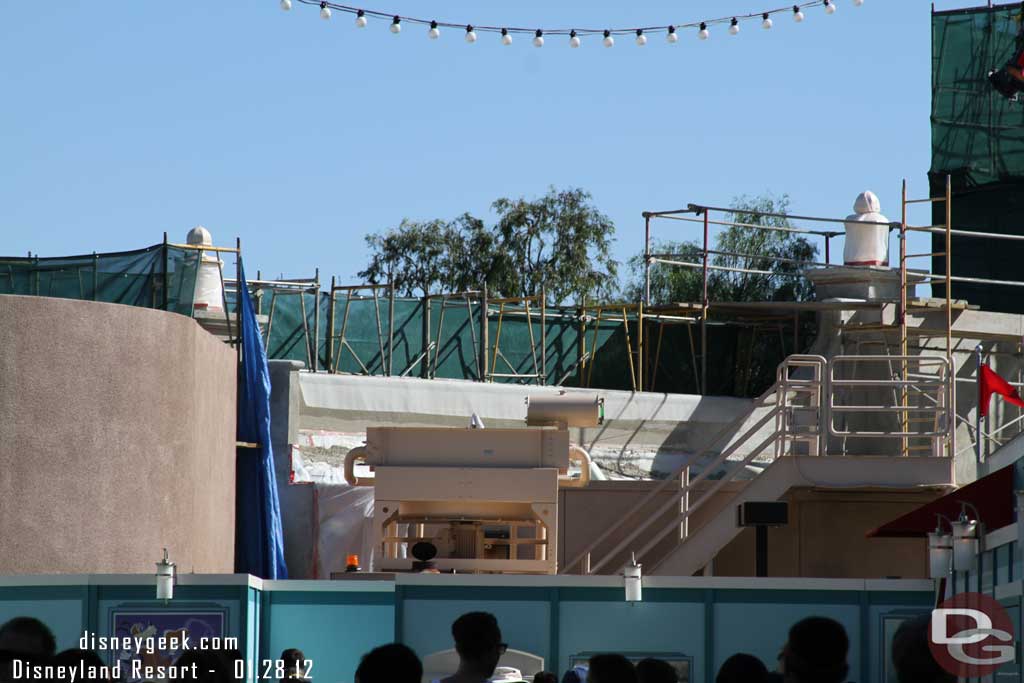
(259, 540)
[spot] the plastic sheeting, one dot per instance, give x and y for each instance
(867, 244)
(344, 527)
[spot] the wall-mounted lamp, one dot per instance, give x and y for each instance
(967, 534)
(940, 550)
(165, 578)
(633, 581)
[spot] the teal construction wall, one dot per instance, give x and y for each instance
(335, 623)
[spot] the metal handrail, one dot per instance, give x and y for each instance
(675, 499)
(793, 362)
(938, 382)
(716, 438)
(792, 395)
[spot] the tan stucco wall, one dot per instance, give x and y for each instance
(117, 438)
(825, 537)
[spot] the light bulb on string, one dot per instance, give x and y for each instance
(575, 38)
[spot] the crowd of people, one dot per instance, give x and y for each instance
(817, 650)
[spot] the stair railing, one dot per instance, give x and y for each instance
(798, 375)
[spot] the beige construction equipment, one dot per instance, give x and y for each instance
(475, 500)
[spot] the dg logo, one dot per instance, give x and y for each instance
(971, 635)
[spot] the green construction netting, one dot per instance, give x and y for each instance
(977, 134)
(742, 359)
(978, 141)
(298, 319)
(161, 276)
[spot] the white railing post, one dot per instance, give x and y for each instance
(684, 504)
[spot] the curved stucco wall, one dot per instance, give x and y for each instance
(117, 435)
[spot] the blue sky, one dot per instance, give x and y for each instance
(123, 119)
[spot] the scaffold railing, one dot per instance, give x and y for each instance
(700, 259)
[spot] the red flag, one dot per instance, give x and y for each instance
(991, 383)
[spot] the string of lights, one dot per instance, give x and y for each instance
(671, 31)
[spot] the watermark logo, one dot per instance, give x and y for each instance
(971, 635)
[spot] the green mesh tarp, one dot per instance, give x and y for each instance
(977, 140)
(156, 277)
(299, 325)
(977, 134)
(741, 362)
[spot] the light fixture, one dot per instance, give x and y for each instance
(966, 535)
(396, 24)
(470, 34)
(767, 21)
(360, 19)
(798, 15)
(734, 27)
(672, 36)
(940, 550)
(641, 39)
(703, 33)
(858, 3)
(165, 578)
(830, 7)
(506, 37)
(286, 5)
(608, 41)
(633, 581)
(574, 40)
(434, 32)
(325, 11)
(538, 38)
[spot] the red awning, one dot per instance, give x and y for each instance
(992, 495)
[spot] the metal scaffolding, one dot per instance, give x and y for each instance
(437, 342)
(702, 215)
(385, 342)
(515, 307)
(286, 289)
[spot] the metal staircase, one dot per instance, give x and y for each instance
(804, 423)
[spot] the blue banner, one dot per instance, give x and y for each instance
(259, 540)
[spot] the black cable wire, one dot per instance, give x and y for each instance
(390, 17)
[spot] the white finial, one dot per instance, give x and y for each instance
(199, 236)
